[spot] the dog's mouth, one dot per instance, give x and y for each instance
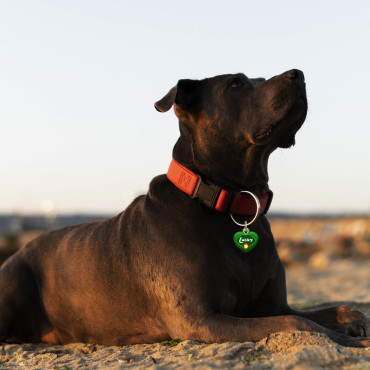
(286, 128)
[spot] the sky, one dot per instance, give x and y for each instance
(78, 80)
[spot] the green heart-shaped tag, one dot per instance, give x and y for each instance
(245, 241)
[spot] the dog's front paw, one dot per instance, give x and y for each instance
(353, 322)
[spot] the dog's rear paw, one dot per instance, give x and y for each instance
(347, 341)
(353, 322)
(360, 342)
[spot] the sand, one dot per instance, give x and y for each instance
(345, 281)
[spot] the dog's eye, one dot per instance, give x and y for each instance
(236, 82)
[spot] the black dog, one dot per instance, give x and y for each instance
(167, 267)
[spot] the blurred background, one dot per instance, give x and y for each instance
(80, 137)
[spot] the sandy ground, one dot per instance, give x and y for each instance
(345, 281)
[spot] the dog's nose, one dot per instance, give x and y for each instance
(295, 74)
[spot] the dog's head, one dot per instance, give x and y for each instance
(231, 115)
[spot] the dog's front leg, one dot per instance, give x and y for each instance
(223, 328)
(340, 319)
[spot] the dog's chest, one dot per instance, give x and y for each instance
(244, 283)
(237, 279)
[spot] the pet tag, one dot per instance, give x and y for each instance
(245, 241)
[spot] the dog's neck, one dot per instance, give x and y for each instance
(248, 172)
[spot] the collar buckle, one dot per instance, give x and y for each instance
(207, 193)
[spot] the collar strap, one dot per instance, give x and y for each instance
(214, 196)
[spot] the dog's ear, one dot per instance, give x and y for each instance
(187, 94)
(183, 94)
(167, 101)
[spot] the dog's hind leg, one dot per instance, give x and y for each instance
(22, 318)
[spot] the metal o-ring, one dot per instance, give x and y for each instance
(257, 213)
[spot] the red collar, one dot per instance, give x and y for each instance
(214, 196)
